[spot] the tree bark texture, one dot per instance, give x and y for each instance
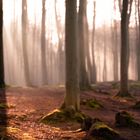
(72, 98)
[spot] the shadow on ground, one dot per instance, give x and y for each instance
(3, 114)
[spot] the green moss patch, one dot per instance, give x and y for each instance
(92, 103)
(135, 85)
(124, 119)
(63, 115)
(100, 130)
(6, 106)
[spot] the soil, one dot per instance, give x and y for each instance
(26, 106)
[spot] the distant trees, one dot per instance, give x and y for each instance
(72, 98)
(125, 16)
(2, 83)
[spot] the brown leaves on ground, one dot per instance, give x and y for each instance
(30, 104)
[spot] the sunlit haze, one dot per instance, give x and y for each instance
(55, 13)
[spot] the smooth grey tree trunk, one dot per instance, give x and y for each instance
(93, 70)
(72, 98)
(24, 43)
(43, 44)
(138, 42)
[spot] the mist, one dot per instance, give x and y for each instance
(34, 46)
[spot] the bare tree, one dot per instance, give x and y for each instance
(60, 33)
(93, 70)
(105, 63)
(115, 45)
(138, 41)
(2, 83)
(72, 98)
(24, 42)
(125, 16)
(84, 80)
(43, 43)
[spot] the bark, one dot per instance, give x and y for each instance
(93, 70)
(83, 81)
(105, 63)
(43, 44)
(24, 42)
(115, 46)
(2, 83)
(60, 33)
(72, 98)
(138, 43)
(124, 48)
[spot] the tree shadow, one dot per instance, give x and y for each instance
(3, 114)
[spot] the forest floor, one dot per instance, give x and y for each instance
(25, 107)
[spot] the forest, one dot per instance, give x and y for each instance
(69, 69)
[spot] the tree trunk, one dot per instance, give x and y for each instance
(60, 33)
(43, 44)
(115, 45)
(138, 43)
(93, 70)
(72, 98)
(105, 63)
(124, 49)
(24, 42)
(2, 83)
(84, 80)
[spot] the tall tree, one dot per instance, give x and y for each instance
(43, 43)
(24, 42)
(72, 98)
(105, 63)
(60, 33)
(138, 42)
(2, 83)
(84, 80)
(115, 44)
(125, 16)
(93, 70)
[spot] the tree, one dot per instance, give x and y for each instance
(43, 43)
(72, 98)
(105, 52)
(2, 83)
(93, 70)
(138, 41)
(84, 80)
(60, 33)
(125, 16)
(24, 42)
(115, 45)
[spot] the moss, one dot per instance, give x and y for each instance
(115, 85)
(65, 115)
(135, 85)
(124, 119)
(99, 130)
(5, 106)
(93, 103)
